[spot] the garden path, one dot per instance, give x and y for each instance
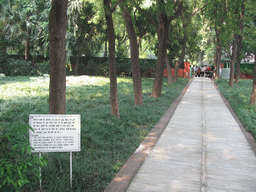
(201, 149)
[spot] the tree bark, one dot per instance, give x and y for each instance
(111, 59)
(163, 31)
(106, 48)
(239, 44)
(57, 35)
(253, 95)
(79, 53)
(233, 60)
(77, 61)
(238, 58)
(134, 48)
(28, 56)
(218, 55)
(182, 57)
(157, 86)
(169, 70)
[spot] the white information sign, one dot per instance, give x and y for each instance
(54, 133)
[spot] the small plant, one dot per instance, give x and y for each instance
(17, 165)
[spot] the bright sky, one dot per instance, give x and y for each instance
(147, 3)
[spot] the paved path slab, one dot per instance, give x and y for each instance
(201, 149)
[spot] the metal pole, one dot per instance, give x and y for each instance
(71, 169)
(40, 181)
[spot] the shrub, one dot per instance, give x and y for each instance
(123, 67)
(15, 67)
(19, 68)
(43, 68)
(17, 165)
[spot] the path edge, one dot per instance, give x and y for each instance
(124, 177)
(246, 133)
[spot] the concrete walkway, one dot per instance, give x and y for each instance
(201, 149)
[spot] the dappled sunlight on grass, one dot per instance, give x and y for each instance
(86, 80)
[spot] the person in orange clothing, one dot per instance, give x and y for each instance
(209, 72)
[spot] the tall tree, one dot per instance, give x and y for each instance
(233, 59)
(165, 15)
(57, 35)
(111, 57)
(134, 49)
(187, 14)
(250, 28)
(235, 11)
(9, 26)
(219, 14)
(239, 43)
(216, 14)
(249, 40)
(85, 29)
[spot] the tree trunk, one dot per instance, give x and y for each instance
(79, 53)
(112, 60)
(77, 63)
(176, 70)
(162, 39)
(238, 57)
(57, 35)
(253, 95)
(218, 57)
(233, 60)
(239, 44)
(28, 56)
(106, 48)
(182, 57)
(169, 70)
(134, 47)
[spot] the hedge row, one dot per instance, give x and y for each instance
(99, 66)
(15, 65)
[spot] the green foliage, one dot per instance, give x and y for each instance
(19, 68)
(247, 71)
(15, 67)
(239, 98)
(42, 68)
(18, 166)
(99, 66)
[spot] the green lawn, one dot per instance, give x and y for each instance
(239, 98)
(106, 142)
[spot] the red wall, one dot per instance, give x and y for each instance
(182, 72)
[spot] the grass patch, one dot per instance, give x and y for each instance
(239, 98)
(106, 142)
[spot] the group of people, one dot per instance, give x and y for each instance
(203, 72)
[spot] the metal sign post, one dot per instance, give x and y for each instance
(40, 181)
(71, 169)
(55, 133)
